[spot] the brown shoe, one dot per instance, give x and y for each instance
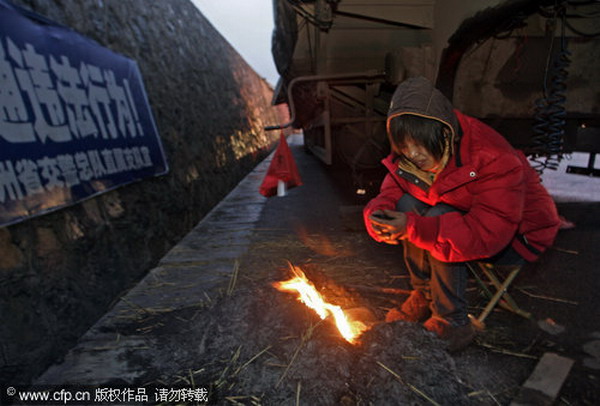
(414, 309)
(457, 337)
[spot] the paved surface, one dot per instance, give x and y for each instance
(319, 223)
(190, 273)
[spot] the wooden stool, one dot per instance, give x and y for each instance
(498, 297)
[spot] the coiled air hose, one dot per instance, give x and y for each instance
(550, 113)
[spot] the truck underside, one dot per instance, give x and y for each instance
(527, 68)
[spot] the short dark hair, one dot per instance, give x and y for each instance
(425, 131)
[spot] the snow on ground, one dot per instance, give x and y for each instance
(567, 187)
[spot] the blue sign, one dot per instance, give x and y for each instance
(74, 118)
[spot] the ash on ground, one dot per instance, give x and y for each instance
(261, 346)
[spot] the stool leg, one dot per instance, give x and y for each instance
(508, 302)
(480, 281)
(494, 300)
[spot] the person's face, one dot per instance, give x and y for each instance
(417, 154)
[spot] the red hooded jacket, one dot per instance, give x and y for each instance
(499, 195)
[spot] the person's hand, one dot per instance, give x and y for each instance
(389, 225)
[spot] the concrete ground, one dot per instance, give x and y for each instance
(319, 225)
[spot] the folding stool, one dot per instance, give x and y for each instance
(500, 296)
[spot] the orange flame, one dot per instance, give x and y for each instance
(308, 294)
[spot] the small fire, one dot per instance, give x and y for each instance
(308, 294)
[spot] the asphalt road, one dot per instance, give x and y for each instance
(319, 225)
(560, 290)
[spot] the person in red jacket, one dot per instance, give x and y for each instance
(456, 191)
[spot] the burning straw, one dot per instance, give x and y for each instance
(310, 296)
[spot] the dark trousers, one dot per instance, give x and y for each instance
(444, 283)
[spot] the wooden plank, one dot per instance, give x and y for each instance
(543, 385)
